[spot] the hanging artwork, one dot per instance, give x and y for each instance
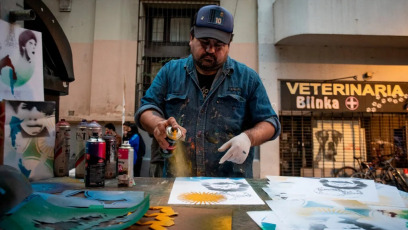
(335, 143)
(29, 137)
(21, 63)
(213, 191)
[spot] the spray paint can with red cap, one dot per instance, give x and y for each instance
(125, 165)
(62, 148)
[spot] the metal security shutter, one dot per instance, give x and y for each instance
(315, 144)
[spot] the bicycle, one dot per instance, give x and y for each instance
(390, 175)
(367, 170)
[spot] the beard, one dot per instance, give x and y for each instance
(208, 62)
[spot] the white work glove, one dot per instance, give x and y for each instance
(238, 149)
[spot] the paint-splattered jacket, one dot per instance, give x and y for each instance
(236, 102)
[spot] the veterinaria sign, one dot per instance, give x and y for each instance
(344, 96)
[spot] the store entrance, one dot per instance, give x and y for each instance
(315, 144)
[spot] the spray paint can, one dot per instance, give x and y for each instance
(62, 148)
(81, 137)
(125, 165)
(95, 162)
(173, 135)
(111, 156)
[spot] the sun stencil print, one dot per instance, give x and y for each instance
(213, 191)
(202, 197)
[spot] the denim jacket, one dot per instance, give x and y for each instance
(236, 102)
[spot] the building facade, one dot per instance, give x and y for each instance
(304, 50)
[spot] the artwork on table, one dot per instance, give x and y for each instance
(213, 191)
(333, 188)
(21, 63)
(267, 220)
(29, 137)
(36, 212)
(388, 195)
(282, 188)
(87, 198)
(331, 203)
(404, 197)
(343, 188)
(71, 209)
(323, 214)
(335, 143)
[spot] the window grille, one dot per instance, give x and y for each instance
(164, 35)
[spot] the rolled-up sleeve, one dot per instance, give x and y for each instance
(275, 122)
(260, 107)
(142, 109)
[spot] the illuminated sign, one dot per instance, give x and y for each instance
(344, 96)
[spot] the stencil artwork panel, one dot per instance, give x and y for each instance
(21, 63)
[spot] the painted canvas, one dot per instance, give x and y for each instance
(324, 214)
(282, 188)
(267, 220)
(21, 63)
(333, 203)
(29, 137)
(289, 188)
(213, 191)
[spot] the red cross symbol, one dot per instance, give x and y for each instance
(351, 103)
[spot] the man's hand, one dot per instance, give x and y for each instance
(238, 149)
(159, 131)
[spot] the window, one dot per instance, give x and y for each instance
(158, 29)
(164, 35)
(179, 29)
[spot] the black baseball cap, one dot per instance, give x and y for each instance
(214, 21)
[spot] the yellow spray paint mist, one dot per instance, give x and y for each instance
(176, 153)
(181, 167)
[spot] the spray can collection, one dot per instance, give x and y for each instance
(125, 165)
(81, 137)
(173, 135)
(62, 148)
(97, 157)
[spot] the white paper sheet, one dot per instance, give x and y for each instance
(267, 220)
(213, 191)
(325, 214)
(388, 196)
(334, 188)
